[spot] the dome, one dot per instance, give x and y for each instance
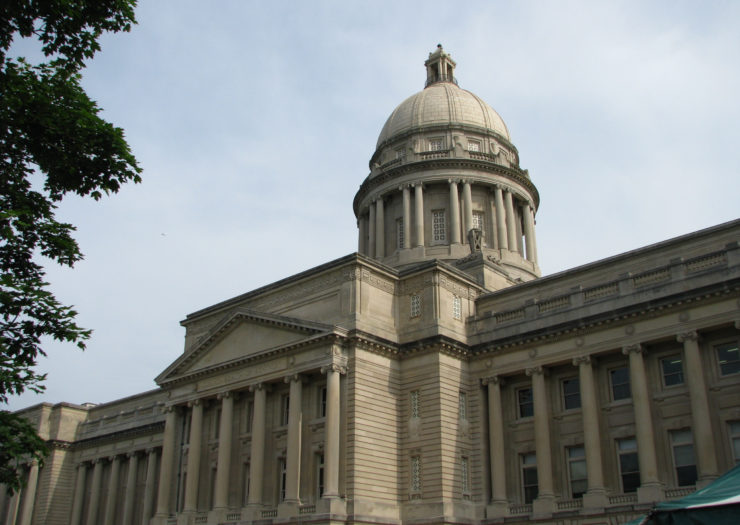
(442, 102)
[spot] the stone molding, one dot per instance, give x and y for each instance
(691, 335)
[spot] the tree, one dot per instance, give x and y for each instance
(52, 143)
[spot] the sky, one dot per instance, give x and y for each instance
(254, 123)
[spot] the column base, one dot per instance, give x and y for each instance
(331, 505)
(704, 481)
(497, 509)
(595, 500)
(650, 493)
(288, 509)
(543, 506)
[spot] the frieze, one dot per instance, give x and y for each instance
(243, 374)
(301, 290)
(375, 280)
(457, 289)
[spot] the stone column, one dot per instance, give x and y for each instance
(110, 504)
(379, 229)
(497, 452)
(546, 495)
(492, 239)
(130, 496)
(167, 464)
(454, 213)
(92, 509)
(331, 431)
(649, 489)
(3, 501)
(502, 236)
(293, 454)
(596, 495)
(406, 217)
(419, 213)
(221, 496)
(30, 490)
(700, 410)
(194, 453)
(79, 496)
(151, 472)
(257, 455)
(13, 508)
(468, 202)
(371, 229)
(511, 225)
(529, 233)
(362, 241)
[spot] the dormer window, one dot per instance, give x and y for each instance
(435, 144)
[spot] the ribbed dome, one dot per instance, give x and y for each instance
(442, 103)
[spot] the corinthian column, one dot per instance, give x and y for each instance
(331, 431)
(379, 229)
(542, 440)
(511, 224)
(454, 213)
(406, 217)
(362, 241)
(130, 497)
(92, 509)
(419, 213)
(529, 239)
(79, 495)
(167, 464)
(194, 453)
(596, 495)
(151, 471)
(503, 239)
(497, 452)
(221, 496)
(110, 504)
(700, 410)
(649, 481)
(468, 202)
(257, 455)
(293, 459)
(371, 229)
(30, 490)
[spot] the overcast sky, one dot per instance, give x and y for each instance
(254, 122)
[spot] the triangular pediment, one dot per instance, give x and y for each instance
(241, 334)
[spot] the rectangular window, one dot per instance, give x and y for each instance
(571, 393)
(415, 476)
(672, 370)
(283, 477)
(525, 402)
(414, 401)
(462, 405)
(319, 475)
(415, 305)
(577, 471)
(465, 473)
(216, 424)
(473, 145)
(322, 402)
(248, 416)
(439, 226)
(629, 467)
(530, 488)
(284, 409)
(620, 383)
(683, 457)
(435, 144)
(399, 233)
(456, 307)
(479, 223)
(728, 356)
(735, 440)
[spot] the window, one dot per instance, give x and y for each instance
(525, 402)
(735, 440)
(439, 227)
(284, 409)
(319, 475)
(415, 477)
(479, 221)
(462, 405)
(683, 457)
(216, 429)
(728, 356)
(415, 305)
(629, 467)
(399, 233)
(473, 145)
(672, 370)
(322, 402)
(465, 473)
(248, 416)
(414, 401)
(456, 307)
(283, 477)
(577, 471)
(435, 144)
(571, 393)
(620, 382)
(530, 488)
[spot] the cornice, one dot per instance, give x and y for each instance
(152, 428)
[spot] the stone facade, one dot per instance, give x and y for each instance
(425, 379)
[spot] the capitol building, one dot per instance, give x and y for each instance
(433, 377)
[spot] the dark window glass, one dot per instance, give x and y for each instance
(672, 370)
(524, 399)
(729, 359)
(529, 477)
(620, 380)
(571, 393)
(629, 466)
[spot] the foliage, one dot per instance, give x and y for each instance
(52, 143)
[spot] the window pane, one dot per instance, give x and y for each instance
(686, 475)
(571, 394)
(672, 370)
(729, 359)
(620, 380)
(524, 397)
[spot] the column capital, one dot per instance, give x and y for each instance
(492, 380)
(536, 370)
(194, 402)
(167, 409)
(114, 457)
(417, 183)
(691, 335)
(259, 386)
(151, 450)
(636, 348)
(293, 378)
(333, 367)
(582, 360)
(225, 394)
(453, 181)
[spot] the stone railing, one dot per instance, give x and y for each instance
(524, 508)
(307, 509)
(439, 154)
(570, 504)
(622, 499)
(201, 518)
(679, 492)
(233, 516)
(270, 513)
